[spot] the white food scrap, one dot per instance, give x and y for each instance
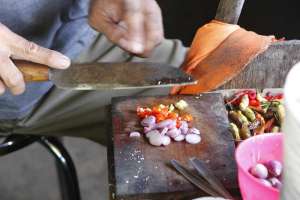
(181, 105)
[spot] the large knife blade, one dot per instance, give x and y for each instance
(196, 180)
(102, 76)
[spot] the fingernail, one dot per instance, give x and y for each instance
(63, 62)
(137, 47)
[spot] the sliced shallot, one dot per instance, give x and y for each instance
(156, 140)
(164, 131)
(172, 124)
(193, 131)
(166, 140)
(161, 124)
(148, 129)
(164, 124)
(153, 132)
(148, 121)
(179, 138)
(192, 138)
(184, 127)
(173, 133)
(134, 134)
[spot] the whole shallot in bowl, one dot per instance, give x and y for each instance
(259, 161)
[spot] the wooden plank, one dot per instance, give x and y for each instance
(269, 69)
(141, 171)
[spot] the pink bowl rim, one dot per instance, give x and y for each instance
(265, 135)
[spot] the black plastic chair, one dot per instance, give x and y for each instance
(65, 167)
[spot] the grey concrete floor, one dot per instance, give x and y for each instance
(30, 174)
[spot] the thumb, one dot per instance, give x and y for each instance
(25, 50)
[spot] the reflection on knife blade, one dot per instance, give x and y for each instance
(119, 76)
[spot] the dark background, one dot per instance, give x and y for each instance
(183, 17)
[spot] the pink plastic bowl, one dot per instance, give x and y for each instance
(259, 148)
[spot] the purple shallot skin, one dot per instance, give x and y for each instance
(172, 124)
(134, 134)
(164, 124)
(148, 129)
(193, 131)
(274, 167)
(164, 131)
(174, 132)
(276, 183)
(265, 182)
(148, 121)
(153, 132)
(179, 138)
(184, 127)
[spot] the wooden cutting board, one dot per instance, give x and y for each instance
(138, 170)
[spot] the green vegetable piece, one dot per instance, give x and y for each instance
(235, 131)
(243, 118)
(265, 106)
(244, 102)
(275, 129)
(245, 132)
(280, 111)
(249, 114)
(234, 117)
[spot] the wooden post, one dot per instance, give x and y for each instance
(229, 11)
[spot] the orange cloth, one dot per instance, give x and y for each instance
(218, 53)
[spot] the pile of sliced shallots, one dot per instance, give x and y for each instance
(163, 130)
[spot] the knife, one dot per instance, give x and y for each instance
(208, 175)
(196, 180)
(103, 76)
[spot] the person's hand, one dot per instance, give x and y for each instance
(13, 46)
(134, 25)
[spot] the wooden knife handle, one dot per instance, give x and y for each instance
(33, 72)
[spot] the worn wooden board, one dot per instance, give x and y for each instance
(269, 69)
(141, 171)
